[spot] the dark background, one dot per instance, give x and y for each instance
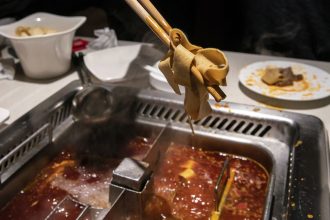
(293, 28)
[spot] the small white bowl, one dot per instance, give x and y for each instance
(44, 56)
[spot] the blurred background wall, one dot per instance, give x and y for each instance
(294, 28)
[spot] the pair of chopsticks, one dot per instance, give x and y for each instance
(156, 22)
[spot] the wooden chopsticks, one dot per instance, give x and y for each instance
(155, 13)
(150, 21)
(161, 28)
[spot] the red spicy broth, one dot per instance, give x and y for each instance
(65, 176)
(182, 186)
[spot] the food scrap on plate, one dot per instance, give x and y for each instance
(280, 76)
(286, 80)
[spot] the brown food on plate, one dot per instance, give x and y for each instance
(183, 186)
(280, 76)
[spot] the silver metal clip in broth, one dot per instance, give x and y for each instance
(131, 174)
(93, 104)
(221, 184)
(126, 187)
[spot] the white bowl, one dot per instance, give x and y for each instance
(44, 56)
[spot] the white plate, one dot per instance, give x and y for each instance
(158, 80)
(316, 83)
(112, 64)
(4, 115)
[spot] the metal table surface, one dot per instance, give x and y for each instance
(22, 94)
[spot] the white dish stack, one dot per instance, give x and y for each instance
(158, 80)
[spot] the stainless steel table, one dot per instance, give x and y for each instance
(22, 94)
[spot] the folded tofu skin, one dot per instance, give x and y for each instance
(176, 67)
